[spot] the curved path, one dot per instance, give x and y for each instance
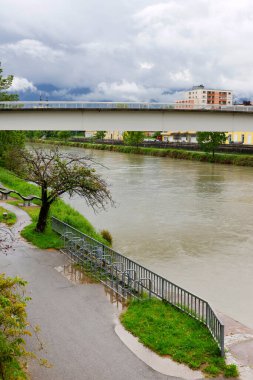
(77, 322)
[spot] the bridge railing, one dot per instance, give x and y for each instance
(23, 105)
(81, 246)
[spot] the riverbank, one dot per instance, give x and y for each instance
(219, 158)
(62, 211)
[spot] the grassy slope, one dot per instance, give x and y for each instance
(168, 331)
(59, 209)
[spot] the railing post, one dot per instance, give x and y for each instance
(222, 337)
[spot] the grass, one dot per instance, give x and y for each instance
(10, 219)
(168, 331)
(219, 158)
(62, 211)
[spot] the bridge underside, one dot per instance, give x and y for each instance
(125, 120)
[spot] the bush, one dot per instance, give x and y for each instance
(13, 326)
(107, 236)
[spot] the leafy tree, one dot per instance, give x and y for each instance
(133, 137)
(64, 135)
(9, 141)
(100, 135)
(57, 173)
(6, 83)
(209, 141)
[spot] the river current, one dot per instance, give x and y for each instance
(189, 222)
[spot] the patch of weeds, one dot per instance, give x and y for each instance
(231, 371)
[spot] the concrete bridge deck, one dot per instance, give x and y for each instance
(110, 116)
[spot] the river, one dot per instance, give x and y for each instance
(190, 222)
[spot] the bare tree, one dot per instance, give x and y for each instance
(57, 173)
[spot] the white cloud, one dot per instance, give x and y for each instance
(183, 76)
(33, 49)
(22, 84)
(146, 65)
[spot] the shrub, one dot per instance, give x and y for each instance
(13, 326)
(107, 236)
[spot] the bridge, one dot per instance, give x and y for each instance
(122, 116)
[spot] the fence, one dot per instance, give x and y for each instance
(45, 104)
(127, 277)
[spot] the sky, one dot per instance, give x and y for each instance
(126, 50)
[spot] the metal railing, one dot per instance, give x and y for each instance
(23, 105)
(125, 276)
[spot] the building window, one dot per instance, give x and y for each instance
(242, 139)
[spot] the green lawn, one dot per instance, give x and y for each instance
(168, 331)
(10, 219)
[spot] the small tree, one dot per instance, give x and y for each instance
(64, 135)
(209, 141)
(134, 138)
(57, 173)
(6, 83)
(100, 135)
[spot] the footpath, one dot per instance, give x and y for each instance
(77, 338)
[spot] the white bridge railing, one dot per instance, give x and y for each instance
(25, 105)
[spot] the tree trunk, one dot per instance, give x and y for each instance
(44, 210)
(43, 215)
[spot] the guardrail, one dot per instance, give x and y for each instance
(134, 278)
(23, 105)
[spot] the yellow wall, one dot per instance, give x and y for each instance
(237, 137)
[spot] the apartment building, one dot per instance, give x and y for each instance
(201, 96)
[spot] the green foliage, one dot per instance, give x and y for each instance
(100, 135)
(13, 326)
(133, 138)
(10, 219)
(231, 371)
(209, 141)
(168, 331)
(64, 135)
(5, 84)
(9, 142)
